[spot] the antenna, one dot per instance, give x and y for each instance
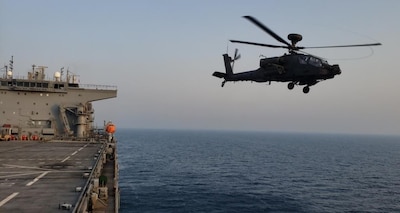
(68, 77)
(61, 73)
(11, 63)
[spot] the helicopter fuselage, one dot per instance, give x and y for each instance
(295, 68)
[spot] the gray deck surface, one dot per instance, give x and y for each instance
(38, 176)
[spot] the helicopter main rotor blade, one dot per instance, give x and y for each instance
(351, 45)
(258, 44)
(266, 29)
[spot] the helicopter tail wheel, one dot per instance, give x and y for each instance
(223, 83)
(290, 85)
(306, 89)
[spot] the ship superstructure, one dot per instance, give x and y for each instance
(38, 108)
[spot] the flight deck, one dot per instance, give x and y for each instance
(44, 176)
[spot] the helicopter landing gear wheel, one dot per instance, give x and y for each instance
(306, 89)
(223, 83)
(290, 85)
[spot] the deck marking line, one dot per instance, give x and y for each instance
(65, 159)
(74, 153)
(37, 178)
(80, 149)
(11, 196)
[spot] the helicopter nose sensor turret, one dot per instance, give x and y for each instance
(336, 69)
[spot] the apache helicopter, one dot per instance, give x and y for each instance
(295, 68)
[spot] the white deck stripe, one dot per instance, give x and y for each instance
(11, 196)
(74, 153)
(65, 159)
(37, 178)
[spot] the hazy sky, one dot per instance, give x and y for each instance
(161, 55)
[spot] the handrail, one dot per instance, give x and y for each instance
(80, 86)
(98, 86)
(78, 204)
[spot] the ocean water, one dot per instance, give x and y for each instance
(210, 171)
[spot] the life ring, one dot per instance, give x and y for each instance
(34, 137)
(110, 128)
(14, 138)
(24, 137)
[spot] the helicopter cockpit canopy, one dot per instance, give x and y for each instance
(311, 60)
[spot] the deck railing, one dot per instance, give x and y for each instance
(97, 86)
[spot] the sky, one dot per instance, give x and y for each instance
(161, 55)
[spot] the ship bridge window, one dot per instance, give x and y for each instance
(32, 84)
(26, 84)
(58, 86)
(41, 123)
(73, 85)
(20, 84)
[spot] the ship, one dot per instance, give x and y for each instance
(52, 155)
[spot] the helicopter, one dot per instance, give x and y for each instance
(297, 67)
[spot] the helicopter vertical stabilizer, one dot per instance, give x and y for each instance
(228, 67)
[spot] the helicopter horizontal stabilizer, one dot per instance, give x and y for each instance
(219, 74)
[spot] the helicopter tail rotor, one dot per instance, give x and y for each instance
(235, 57)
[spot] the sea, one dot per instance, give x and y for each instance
(227, 171)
